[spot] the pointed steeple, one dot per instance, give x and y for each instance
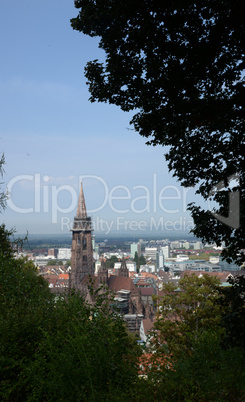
(102, 265)
(81, 208)
(103, 273)
(82, 250)
(123, 270)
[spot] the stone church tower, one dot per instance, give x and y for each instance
(103, 273)
(81, 249)
(123, 270)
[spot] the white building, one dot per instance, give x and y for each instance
(175, 244)
(166, 251)
(198, 245)
(64, 254)
(160, 260)
(118, 254)
(131, 265)
(182, 257)
(214, 260)
(96, 255)
(42, 260)
(135, 248)
(193, 265)
(151, 252)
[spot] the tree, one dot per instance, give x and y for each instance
(142, 260)
(111, 261)
(185, 312)
(26, 304)
(5, 244)
(60, 348)
(188, 358)
(136, 257)
(209, 373)
(233, 318)
(55, 262)
(179, 66)
(86, 355)
(3, 194)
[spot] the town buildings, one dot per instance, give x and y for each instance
(133, 292)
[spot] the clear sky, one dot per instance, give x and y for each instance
(52, 136)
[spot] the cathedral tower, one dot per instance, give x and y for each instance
(81, 250)
(103, 273)
(123, 270)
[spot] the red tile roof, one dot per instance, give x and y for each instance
(146, 291)
(117, 283)
(148, 275)
(63, 276)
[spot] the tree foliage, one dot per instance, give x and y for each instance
(140, 260)
(6, 247)
(209, 373)
(233, 319)
(185, 311)
(179, 66)
(111, 261)
(86, 354)
(57, 347)
(60, 348)
(55, 262)
(25, 306)
(3, 195)
(194, 354)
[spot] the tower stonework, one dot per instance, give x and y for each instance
(81, 249)
(123, 270)
(103, 273)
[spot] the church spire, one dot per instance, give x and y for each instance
(103, 273)
(81, 249)
(81, 208)
(123, 270)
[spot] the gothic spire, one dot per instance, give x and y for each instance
(103, 273)
(123, 270)
(102, 265)
(81, 208)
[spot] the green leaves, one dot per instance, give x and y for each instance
(84, 355)
(180, 65)
(59, 347)
(187, 311)
(209, 373)
(197, 353)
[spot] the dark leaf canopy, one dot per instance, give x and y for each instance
(180, 66)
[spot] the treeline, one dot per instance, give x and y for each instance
(55, 348)
(59, 348)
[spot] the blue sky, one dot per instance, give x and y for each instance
(52, 136)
